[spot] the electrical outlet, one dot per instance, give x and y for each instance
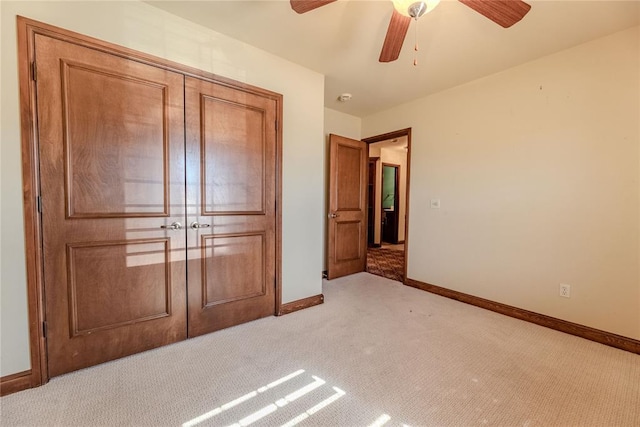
(565, 290)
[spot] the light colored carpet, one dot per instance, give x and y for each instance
(375, 352)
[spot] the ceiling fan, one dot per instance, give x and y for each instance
(503, 12)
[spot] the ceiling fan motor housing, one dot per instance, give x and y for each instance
(417, 9)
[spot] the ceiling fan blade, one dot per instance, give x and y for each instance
(303, 6)
(503, 12)
(398, 27)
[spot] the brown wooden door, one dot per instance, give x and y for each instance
(347, 249)
(371, 201)
(231, 159)
(111, 147)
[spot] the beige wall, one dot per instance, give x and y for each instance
(145, 28)
(537, 170)
(342, 124)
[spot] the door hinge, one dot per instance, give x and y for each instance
(34, 71)
(39, 204)
(44, 329)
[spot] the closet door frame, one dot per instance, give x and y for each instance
(27, 73)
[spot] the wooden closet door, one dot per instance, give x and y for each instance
(111, 146)
(231, 187)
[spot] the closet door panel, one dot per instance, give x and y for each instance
(231, 159)
(111, 147)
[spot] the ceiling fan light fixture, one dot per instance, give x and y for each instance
(414, 9)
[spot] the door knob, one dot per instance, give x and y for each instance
(196, 224)
(333, 215)
(174, 226)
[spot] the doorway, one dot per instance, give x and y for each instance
(388, 189)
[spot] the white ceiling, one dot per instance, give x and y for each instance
(342, 40)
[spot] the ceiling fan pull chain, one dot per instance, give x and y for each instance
(415, 48)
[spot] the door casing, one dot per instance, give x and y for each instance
(384, 137)
(396, 200)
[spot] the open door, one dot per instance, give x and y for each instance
(347, 247)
